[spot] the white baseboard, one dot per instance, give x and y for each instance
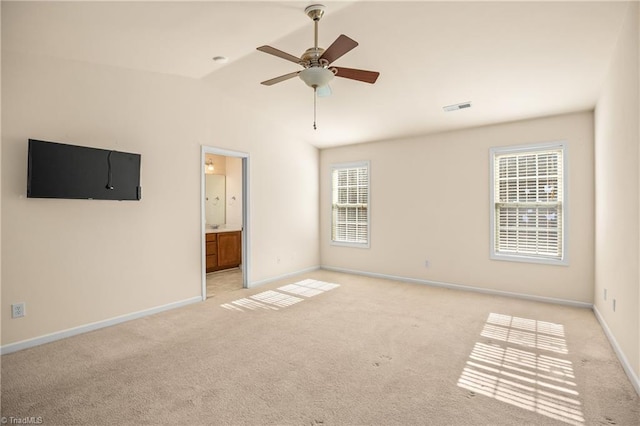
(281, 277)
(633, 378)
(464, 288)
(47, 338)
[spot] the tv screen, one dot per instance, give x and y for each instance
(58, 170)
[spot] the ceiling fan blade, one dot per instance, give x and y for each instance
(279, 79)
(279, 53)
(342, 45)
(354, 74)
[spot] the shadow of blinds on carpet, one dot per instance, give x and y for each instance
(522, 364)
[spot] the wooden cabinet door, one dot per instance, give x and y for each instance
(229, 254)
(212, 262)
(212, 252)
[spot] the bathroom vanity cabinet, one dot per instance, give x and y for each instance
(224, 250)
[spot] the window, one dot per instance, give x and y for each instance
(528, 203)
(350, 204)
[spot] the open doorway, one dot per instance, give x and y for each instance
(224, 220)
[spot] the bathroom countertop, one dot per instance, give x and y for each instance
(223, 228)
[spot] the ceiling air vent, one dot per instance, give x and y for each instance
(457, 106)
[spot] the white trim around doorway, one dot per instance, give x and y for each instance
(245, 213)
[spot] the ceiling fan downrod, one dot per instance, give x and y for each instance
(315, 12)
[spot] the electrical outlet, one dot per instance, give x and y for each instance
(427, 263)
(17, 310)
(614, 305)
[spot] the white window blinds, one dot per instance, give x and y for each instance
(350, 204)
(528, 202)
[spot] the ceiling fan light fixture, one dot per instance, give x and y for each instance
(316, 76)
(324, 91)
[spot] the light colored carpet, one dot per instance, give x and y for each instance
(365, 352)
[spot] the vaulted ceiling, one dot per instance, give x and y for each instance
(512, 60)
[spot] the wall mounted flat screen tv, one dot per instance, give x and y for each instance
(58, 170)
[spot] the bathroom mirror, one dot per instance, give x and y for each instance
(215, 200)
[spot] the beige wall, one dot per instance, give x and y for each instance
(617, 141)
(430, 201)
(284, 186)
(74, 262)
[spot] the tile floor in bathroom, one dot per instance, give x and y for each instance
(223, 281)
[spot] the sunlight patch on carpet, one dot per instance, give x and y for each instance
(308, 288)
(526, 332)
(278, 299)
(274, 300)
(248, 304)
(509, 372)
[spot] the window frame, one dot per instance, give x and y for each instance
(342, 166)
(521, 149)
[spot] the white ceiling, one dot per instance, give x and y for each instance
(512, 60)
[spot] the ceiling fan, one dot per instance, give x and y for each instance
(317, 70)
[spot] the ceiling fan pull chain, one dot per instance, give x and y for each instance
(315, 98)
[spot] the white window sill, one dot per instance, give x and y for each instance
(346, 244)
(527, 259)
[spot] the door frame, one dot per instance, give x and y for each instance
(246, 258)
